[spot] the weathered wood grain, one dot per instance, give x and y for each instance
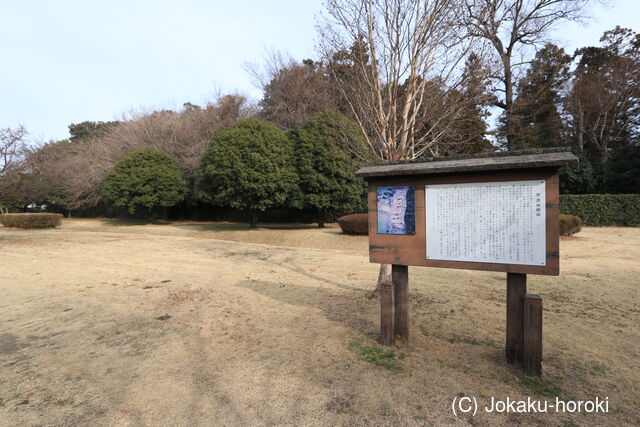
(439, 166)
(400, 278)
(516, 290)
(386, 314)
(532, 343)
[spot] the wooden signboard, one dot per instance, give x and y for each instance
(486, 213)
(495, 220)
(491, 212)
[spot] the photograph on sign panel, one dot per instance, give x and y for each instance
(396, 210)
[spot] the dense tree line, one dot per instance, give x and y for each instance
(212, 159)
(362, 101)
(68, 174)
(588, 101)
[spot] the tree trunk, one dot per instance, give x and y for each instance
(69, 213)
(322, 217)
(254, 219)
(383, 276)
(604, 154)
(580, 131)
(508, 103)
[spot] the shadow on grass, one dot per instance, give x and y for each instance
(338, 232)
(240, 226)
(125, 222)
(218, 226)
(215, 226)
(289, 226)
(349, 309)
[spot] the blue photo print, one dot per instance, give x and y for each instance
(396, 210)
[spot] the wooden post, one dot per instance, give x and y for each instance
(386, 313)
(532, 349)
(516, 289)
(400, 278)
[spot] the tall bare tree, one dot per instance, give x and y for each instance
(397, 52)
(511, 28)
(396, 63)
(292, 91)
(13, 150)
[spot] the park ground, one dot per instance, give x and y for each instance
(115, 323)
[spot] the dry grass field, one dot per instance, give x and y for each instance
(197, 324)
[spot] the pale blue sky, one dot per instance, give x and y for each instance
(66, 61)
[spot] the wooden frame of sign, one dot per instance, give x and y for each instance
(523, 175)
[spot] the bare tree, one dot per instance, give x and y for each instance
(60, 173)
(396, 52)
(396, 64)
(184, 135)
(510, 27)
(70, 173)
(13, 150)
(273, 60)
(292, 91)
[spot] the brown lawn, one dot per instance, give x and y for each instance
(264, 327)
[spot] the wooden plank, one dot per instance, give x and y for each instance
(386, 313)
(552, 192)
(532, 346)
(411, 249)
(400, 278)
(516, 290)
(474, 164)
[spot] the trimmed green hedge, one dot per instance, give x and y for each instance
(603, 209)
(31, 220)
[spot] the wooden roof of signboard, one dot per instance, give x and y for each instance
(557, 157)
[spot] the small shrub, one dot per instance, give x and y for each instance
(603, 209)
(569, 224)
(31, 220)
(354, 224)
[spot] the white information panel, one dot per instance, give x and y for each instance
(493, 222)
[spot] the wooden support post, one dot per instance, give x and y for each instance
(516, 289)
(400, 278)
(532, 349)
(386, 313)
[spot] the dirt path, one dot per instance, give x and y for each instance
(258, 330)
